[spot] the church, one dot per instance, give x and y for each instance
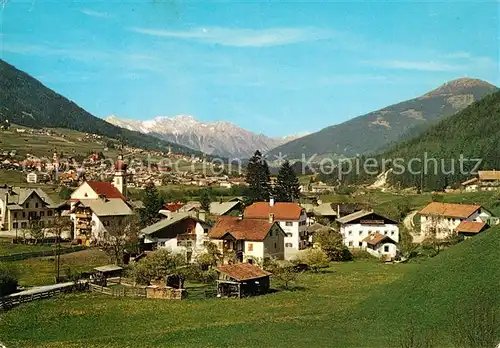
(96, 205)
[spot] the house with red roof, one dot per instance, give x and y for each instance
(95, 205)
(252, 240)
(442, 219)
(291, 217)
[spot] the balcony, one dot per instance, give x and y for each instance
(83, 215)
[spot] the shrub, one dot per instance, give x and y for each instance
(331, 242)
(8, 280)
(315, 259)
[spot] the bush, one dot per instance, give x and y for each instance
(315, 259)
(8, 280)
(156, 265)
(331, 242)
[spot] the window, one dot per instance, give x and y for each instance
(179, 243)
(289, 223)
(205, 230)
(360, 244)
(189, 244)
(250, 247)
(392, 233)
(27, 205)
(385, 233)
(14, 225)
(105, 223)
(42, 213)
(271, 233)
(250, 261)
(360, 233)
(24, 214)
(350, 232)
(386, 248)
(36, 205)
(15, 215)
(49, 212)
(289, 235)
(350, 243)
(23, 224)
(288, 245)
(275, 246)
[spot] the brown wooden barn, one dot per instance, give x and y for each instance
(241, 280)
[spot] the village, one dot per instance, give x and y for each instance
(233, 244)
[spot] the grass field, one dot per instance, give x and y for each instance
(355, 304)
(42, 270)
(8, 248)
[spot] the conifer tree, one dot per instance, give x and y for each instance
(287, 186)
(205, 200)
(153, 202)
(258, 179)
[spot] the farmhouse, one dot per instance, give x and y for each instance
(291, 217)
(252, 240)
(360, 229)
(441, 219)
(322, 211)
(20, 208)
(381, 246)
(486, 180)
(241, 280)
(469, 229)
(182, 233)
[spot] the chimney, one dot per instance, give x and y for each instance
(240, 216)
(202, 215)
(271, 218)
(271, 202)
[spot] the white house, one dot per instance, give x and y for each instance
(182, 233)
(381, 246)
(252, 240)
(442, 219)
(360, 227)
(32, 178)
(486, 180)
(292, 219)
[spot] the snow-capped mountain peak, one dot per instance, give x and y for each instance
(220, 138)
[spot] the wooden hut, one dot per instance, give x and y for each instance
(241, 280)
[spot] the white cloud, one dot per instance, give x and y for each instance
(243, 37)
(93, 13)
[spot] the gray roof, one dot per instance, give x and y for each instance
(351, 217)
(107, 207)
(316, 227)
(217, 208)
(164, 223)
(20, 194)
(108, 268)
(324, 209)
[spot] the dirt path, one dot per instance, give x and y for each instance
(410, 226)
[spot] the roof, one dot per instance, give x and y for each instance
(377, 238)
(242, 229)
(361, 214)
(222, 208)
(19, 195)
(470, 226)
(450, 209)
(316, 227)
(281, 211)
(108, 268)
(106, 189)
(243, 271)
(470, 181)
(173, 206)
(489, 174)
(107, 207)
(164, 223)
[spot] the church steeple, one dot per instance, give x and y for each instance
(120, 178)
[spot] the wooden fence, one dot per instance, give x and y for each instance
(41, 253)
(119, 292)
(12, 300)
(201, 292)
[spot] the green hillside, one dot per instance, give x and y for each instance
(27, 102)
(444, 296)
(373, 131)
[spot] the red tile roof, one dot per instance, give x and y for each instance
(243, 271)
(281, 211)
(450, 209)
(242, 229)
(470, 226)
(377, 238)
(173, 207)
(106, 189)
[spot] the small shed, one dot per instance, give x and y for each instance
(241, 280)
(108, 271)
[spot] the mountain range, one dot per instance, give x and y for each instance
(376, 130)
(219, 138)
(26, 101)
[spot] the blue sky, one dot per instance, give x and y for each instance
(270, 67)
